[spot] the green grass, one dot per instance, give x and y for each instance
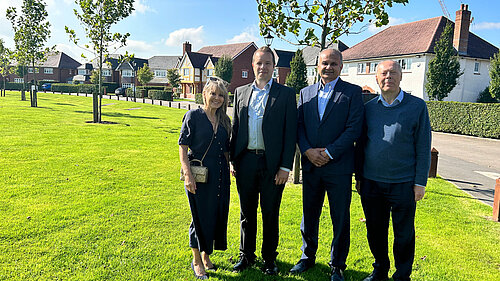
(83, 201)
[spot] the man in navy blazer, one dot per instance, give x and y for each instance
(262, 150)
(330, 116)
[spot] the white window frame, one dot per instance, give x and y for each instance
(311, 71)
(275, 73)
(477, 67)
(106, 72)
(47, 70)
(127, 85)
(361, 69)
(345, 69)
(160, 73)
(186, 71)
(405, 64)
(244, 74)
(127, 73)
(18, 80)
(373, 67)
(210, 72)
(30, 70)
(82, 72)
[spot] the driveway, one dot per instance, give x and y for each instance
(471, 163)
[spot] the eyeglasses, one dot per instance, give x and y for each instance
(215, 79)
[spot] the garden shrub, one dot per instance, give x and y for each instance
(198, 98)
(475, 119)
(160, 95)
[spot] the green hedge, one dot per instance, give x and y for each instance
(475, 119)
(139, 93)
(160, 95)
(71, 88)
(13, 86)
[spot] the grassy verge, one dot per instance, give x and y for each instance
(83, 201)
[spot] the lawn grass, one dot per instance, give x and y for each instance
(83, 201)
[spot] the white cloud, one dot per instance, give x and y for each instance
(140, 49)
(485, 25)
(243, 37)
(193, 35)
(141, 7)
(392, 21)
(74, 52)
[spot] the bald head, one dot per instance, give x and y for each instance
(329, 65)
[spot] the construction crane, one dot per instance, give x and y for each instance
(445, 11)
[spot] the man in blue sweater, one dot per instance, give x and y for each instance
(392, 168)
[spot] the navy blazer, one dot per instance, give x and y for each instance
(279, 125)
(339, 129)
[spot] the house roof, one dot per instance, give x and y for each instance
(59, 60)
(310, 53)
(163, 62)
(198, 60)
(113, 60)
(413, 38)
(129, 64)
(284, 58)
(232, 50)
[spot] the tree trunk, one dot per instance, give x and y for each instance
(34, 96)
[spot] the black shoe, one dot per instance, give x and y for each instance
(243, 264)
(375, 276)
(337, 274)
(201, 277)
(270, 268)
(301, 266)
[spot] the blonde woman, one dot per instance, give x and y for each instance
(206, 131)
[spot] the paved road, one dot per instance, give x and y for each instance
(471, 163)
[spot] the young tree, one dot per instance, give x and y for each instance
(173, 78)
(31, 32)
(97, 17)
(144, 74)
(94, 76)
(328, 17)
(444, 68)
(495, 76)
(224, 68)
(22, 71)
(297, 79)
(5, 69)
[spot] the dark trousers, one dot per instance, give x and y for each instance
(253, 180)
(379, 200)
(338, 189)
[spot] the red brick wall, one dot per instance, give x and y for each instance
(240, 63)
(283, 74)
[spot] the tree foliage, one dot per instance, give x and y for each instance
(144, 74)
(328, 17)
(224, 68)
(5, 69)
(297, 79)
(485, 96)
(97, 17)
(495, 76)
(173, 78)
(444, 68)
(31, 32)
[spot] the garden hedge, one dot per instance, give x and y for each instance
(160, 95)
(475, 119)
(72, 88)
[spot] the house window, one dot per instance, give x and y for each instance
(361, 68)
(48, 71)
(82, 72)
(127, 73)
(311, 71)
(186, 71)
(197, 71)
(210, 72)
(476, 67)
(18, 80)
(275, 73)
(160, 73)
(405, 64)
(244, 74)
(30, 70)
(127, 85)
(106, 72)
(373, 67)
(345, 69)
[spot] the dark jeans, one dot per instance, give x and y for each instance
(338, 188)
(379, 200)
(253, 180)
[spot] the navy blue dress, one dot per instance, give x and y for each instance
(210, 205)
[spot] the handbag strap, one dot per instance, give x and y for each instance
(207, 148)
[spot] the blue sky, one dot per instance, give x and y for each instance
(158, 27)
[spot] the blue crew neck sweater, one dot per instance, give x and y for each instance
(398, 141)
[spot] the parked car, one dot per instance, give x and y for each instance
(120, 91)
(46, 86)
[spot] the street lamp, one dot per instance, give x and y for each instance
(268, 39)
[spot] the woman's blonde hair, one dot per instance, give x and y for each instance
(217, 85)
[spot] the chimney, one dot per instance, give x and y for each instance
(186, 47)
(462, 23)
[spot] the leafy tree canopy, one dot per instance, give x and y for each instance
(144, 74)
(224, 68)
(444, 68)
(320, 21)
(297, 79)
(173, 78)
(495, 76)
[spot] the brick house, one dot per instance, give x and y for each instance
(412, 45)
(110, 73)
(195, 67)
(58, 67)
(128, 72)
(282, 68)
(159, 66)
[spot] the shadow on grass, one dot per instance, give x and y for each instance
(60, 103)
(116, 114)
(318, 272)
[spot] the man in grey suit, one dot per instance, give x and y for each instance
(262, 152)
(330, 117)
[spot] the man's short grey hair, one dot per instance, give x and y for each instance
(398, 66)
